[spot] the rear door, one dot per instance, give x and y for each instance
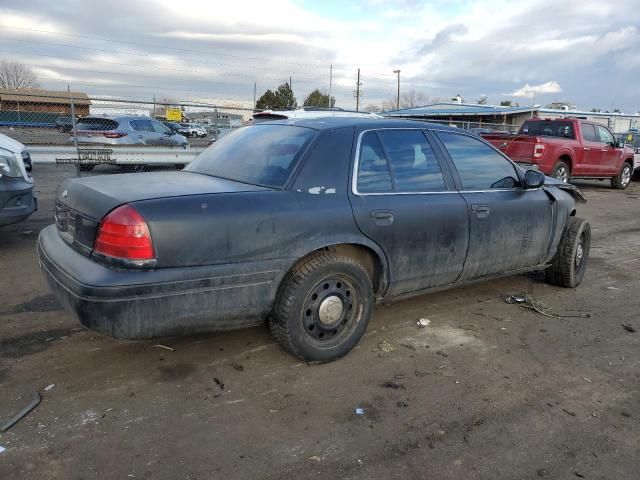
(510, 227)
(591, 151)
(405, 201)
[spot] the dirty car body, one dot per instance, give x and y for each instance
(414, 206)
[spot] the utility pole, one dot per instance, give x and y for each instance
(330, 83)
(358, 92)
(153, 112)
(397, 72)
(255, 86)
(290, 83)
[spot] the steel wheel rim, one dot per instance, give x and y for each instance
(626, 176)
(331, 310)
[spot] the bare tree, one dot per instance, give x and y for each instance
(413, 99)
(16, 75)
(372, 107)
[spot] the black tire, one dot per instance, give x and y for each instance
(86, 167)
(570, 261)
(561, 171)
(296, 321)
(623, 179)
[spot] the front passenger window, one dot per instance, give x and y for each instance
(479, 166)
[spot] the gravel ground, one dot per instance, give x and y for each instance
(486, 391)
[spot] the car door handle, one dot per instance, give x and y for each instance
(482, 211)
(586, 148)
(382, 217)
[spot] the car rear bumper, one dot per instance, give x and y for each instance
(166, 301)
(17, 201)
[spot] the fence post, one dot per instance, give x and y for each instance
(215, 113)
(75, 131)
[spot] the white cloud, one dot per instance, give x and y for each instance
(529, 91)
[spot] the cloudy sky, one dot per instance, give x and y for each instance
(586, 52)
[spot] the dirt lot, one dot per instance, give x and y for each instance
(487, 391)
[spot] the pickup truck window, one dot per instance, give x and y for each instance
(589, 132)
(479, 166)
(400, 161)
(548, 128)
(604, 135)
(264, 155)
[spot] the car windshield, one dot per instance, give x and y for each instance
(548, 128)
(259, 155)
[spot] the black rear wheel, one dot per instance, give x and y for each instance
(323, 307)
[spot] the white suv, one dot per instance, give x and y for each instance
(308, 112)
(17, 201)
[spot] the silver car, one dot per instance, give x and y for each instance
(127, 130)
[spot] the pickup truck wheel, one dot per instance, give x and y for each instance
(570, 261)
(322, 307)
(622, 180)
(561, 171)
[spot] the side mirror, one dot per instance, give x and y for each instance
(533, 179)
(620, 144)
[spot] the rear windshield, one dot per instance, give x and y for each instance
(90, 123)
(263, 155)
(548, 128)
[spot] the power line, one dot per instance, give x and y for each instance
(163, 47)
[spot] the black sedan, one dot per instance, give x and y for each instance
(306, 223)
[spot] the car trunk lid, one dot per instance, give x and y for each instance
(82, 203)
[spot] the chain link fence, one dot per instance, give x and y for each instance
(96, 135)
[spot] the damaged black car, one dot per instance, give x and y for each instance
(305, 224)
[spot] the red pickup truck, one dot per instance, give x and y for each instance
(568, 148)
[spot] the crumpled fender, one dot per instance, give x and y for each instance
(572, 190)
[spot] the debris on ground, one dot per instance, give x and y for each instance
(394, 385)
(2, 449)
(569, 412)
(33, 403)
(158, 345)
(532, 303)
(386, 347)
(219, 383)
(543, 472)
(586, 379)
(514, 299)
(402, 404)
(359, 411)
(237, 366)
(629, 328)
(423, 322)
(315, 459)
(48, 388)
(625, 413)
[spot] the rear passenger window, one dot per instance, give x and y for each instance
(373, 171)
(479, 166)
(413, 162)
(589, 132)
(400, 161)
(142, 125)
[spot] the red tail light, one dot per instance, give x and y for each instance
(124, 234)
(114, 134)
(538, 150)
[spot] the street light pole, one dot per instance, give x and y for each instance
(397, 72)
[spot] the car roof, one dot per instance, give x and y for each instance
(326, 123)
(119, 118)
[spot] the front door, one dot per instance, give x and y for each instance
(406, 202)
(509, 226)
(611, 155)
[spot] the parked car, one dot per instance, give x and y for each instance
(192, 130)
(17, 200)
(127, 130)
(64, 124)
(173, 126)
(569, 148)
(307, 223)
